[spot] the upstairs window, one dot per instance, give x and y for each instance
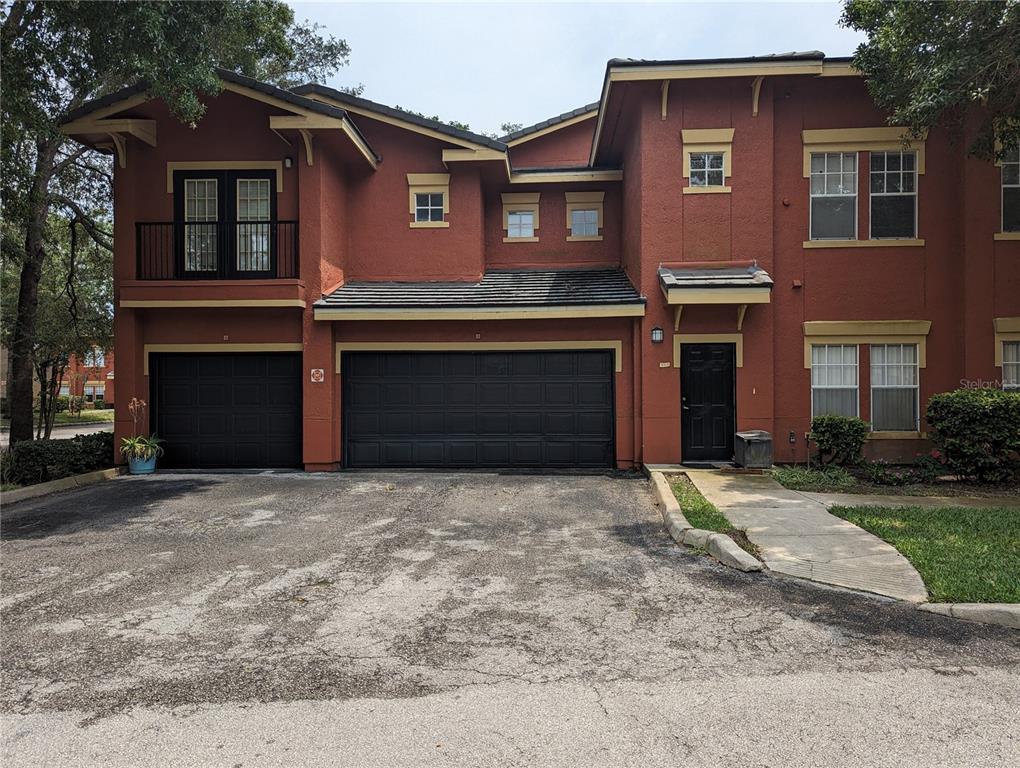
(520, 224)
(584, 215)
(707, 169)
(893, 195)
(253, 224)
(428, 206)
(1011, 191)
(584, 222)
(201, 212)
(834, 196)
(95, 358)
(894, 388)
(834, 382)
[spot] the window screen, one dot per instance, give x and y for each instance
(834, 196)
(520, 224)
(894, 387)
(1011, 191)
(584, 223)
(893, 195)
(834, 380)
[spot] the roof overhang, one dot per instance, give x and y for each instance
(501, 312)
(621, 71)
(534, 133)
(738, 284)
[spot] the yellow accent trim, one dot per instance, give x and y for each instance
(585, 201)
(247, 347)
(897, 435)
(306, 137)
(224, 165)
(698, 140)
(144, 130)
(707, 190)
(360, 143)
(472, 155)
(839, 69)
(707, 135)
(429, 179)
(887, 243)
(718, 296)
(708, 69)
(889, 138)
(867, 332)
(430, 225)
(520, 202)
(756, 94)
(477, 346)
(121, 148)
(584, 238)
(559, 177)
(305, 123)
(479, 313)
(1006, 236)
(1006, 329)
(664, 89)
(171, 303)
(867, 327)
(428, 183)
(736, 339)
(584, 197)
(552, 128)
(741, 311)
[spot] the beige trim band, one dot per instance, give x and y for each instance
(1006, 236)
(707, 135)
(707, 190)
(224, 165)
(736, 339)
(212, 303)
(867, 332)
(568, 177)
(890, 243)
(481, 313)
(478, 346)
(1006, 329)
(897, 435)
(883, 139)
(246, 347)
(718, 296)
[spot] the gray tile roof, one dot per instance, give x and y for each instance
(586, 109)
(400, 114)
(770, 57)
(723, 277)
(518, 288)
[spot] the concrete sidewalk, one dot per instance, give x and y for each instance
(797, 536)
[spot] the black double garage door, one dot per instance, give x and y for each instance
(527, 409)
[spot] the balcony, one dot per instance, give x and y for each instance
(217, 250)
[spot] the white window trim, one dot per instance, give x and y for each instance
(857, 367)
(872, 195)
(916, 387)
(1015, 385)
(856, 197)
(585, 201)
(520, 202)
(713, 141)
(432, 184)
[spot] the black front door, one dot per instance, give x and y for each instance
(708, 412)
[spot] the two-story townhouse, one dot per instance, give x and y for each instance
(90, 378)
(308, 278)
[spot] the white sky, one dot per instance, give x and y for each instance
(489, 63)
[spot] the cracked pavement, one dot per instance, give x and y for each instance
(387, 619)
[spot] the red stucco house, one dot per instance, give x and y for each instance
(312, 279)
(90, 378)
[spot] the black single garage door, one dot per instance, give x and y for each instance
(228, 410)
(478, 409)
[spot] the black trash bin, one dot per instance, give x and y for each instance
(753, 449)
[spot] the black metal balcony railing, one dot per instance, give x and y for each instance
(216, 250)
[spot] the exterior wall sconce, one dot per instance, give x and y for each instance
(288, 162)
(657, 335)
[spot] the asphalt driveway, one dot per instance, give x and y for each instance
(472, 619)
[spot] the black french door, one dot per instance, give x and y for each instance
(225, 224)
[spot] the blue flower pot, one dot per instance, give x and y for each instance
(142, 466)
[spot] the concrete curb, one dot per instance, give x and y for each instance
(1003, 614)
(63, 484)
(719, 545)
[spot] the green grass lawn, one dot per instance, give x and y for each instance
(65, 418)
(964, 555)
(696, 508)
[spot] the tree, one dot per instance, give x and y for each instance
(935, 61)
(508, 128)
(56, 56)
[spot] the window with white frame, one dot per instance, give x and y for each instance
(707, 169)
(65, 390)
(520, 224)
(834, 196)
(428, 206)
(584, 222)
(1011, 365)
(893, 195)
(834, 380)
(95, 358)
(894, 388)
(94, 392)
(201, 211)
(253, 207)
(1011, 191)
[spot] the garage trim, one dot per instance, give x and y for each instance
(248, 347)
(478, 346)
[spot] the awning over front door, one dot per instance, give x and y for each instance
(739, 284)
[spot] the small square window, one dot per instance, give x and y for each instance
(428, 206)
(707, 169)
(584, 223)
(520, 224)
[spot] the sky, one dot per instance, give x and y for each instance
(489, 63)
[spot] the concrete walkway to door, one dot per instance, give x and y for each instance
(797, 536)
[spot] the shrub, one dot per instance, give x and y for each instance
(977, 432)
(926, 469)
(62, 403)
(831, 478)
(37, 461)
(840, 439)
(100, 405)
(880, 473)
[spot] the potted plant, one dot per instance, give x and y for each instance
(140, 451)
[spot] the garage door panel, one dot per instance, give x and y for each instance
(228, 410)
(485, 409)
